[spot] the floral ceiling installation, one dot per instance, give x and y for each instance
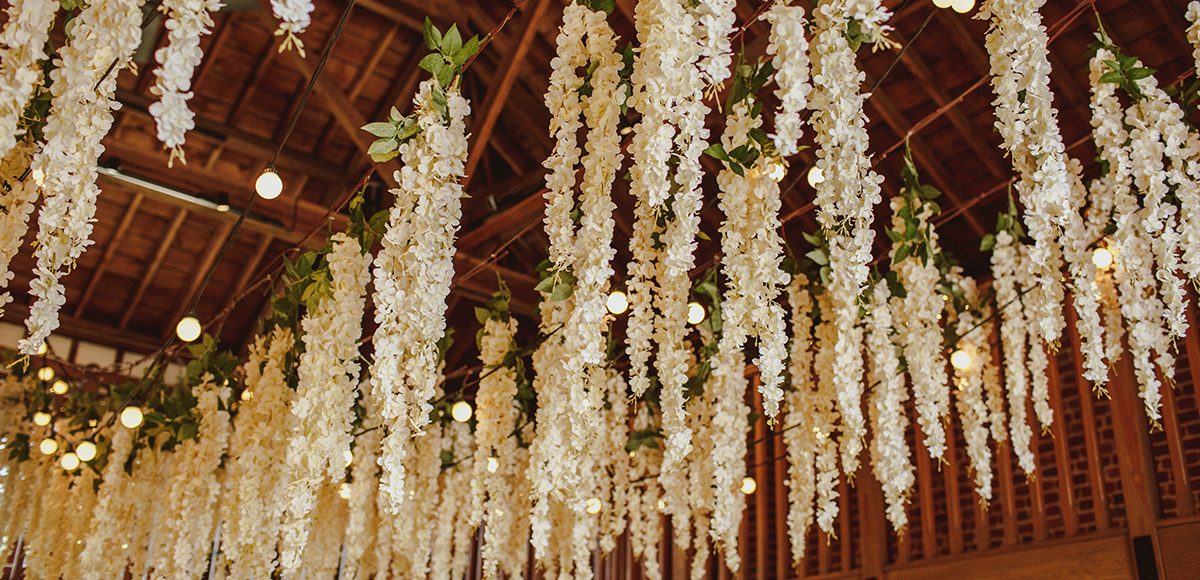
(187, 21)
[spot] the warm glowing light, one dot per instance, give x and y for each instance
(188, 328)
(695, 313)
(344, 490)
(131, 417)
(776, 170)
(38, 176)
(815, 176)
(960, 359)
(749, 486)
(493, 464)
(41, 418)
(943, 3)
(69, 461)
(45, 374)
(617, 302)
(1102, 258)
(43, 349)
(962, 6)
(247, 395)
(461, 411)
(48, 446)
(268, 185)
(593, 505)
(662, 505)
(86, 451)
(349, 457)
(60, 387)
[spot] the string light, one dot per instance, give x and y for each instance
(344, 490)
(695, 313)
(48, 446)
(815, 176)
(617, 302)
(349, 456)
(188, 328)
(493, 464)
(86, 451)
(962, 6)
(749, 486)
(268, 185)
(461, 411)
(69, 461)
(131, 417)
(593, 505)
(960, 359)
(247, 395)
(943, 3)
(60, 387)
(43, 349)
(776, 170)
(1102, 258)
(41, 418)
(45, 374)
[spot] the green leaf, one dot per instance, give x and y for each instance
(1140, 73)
(431, 62)
(1114, 77)
(818, 256)
(717, 151)
(901, 253)
(433, 37)
(380, 129)
(452, 41)
(382, 147)
(987, 243)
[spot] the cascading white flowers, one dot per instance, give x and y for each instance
(81, 113)
(187, 21)
(413, 271)
(323, 550)
(799, 433)
(645, 503)
(825, 417)
(112, 520)
(326, 389)
(363, 519)
(22, 49)
(18, 193)
(1193, 30)
(891, 460)
(846, 198)
(730, 424)
(1014, 328)
(451, 547)
(412, 532)
(1017, 45)
(752, 255)
(254, 484)
(584, 251)
(971, 397)
(294, 17)
(1085, 291)
(788, 48)
(185, 533)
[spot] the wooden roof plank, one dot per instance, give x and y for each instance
(109, 251)
(207, 262)
(155, 264)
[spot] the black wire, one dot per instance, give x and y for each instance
(903, 50)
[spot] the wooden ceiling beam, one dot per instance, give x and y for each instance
(90, 331)
(159, 256)
(207, 262)
(110, 250)
(356, 89)
(498, 94)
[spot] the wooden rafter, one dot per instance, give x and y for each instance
(110, 251)
(221, 232)
(148, 276)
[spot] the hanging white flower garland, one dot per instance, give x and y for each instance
(825, 417)
(413, 271)
(799, 434)
(294, 17)
(111, 516)
(1193, 30)
(731, 424)
(973, 410)
(891, 460)
(18, 193)
(1006, 271)
(187, 21)
(22, 50)
(788, 48)
(81, 109)
(363, 519)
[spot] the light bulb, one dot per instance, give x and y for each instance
(943, 3)
(593, 505)
(349, 457)
(38, 175)
(247, 395)
(344, 490)
(86, 451)
(962, 6)
(45, 374)
(131, 417)
(188, 328)
(662, 505)
(960, 359)
(493, 464)
(617, 302)
(43, 348)
(48, 446)
(695, 313)
(461, 411)
(749, 486)
(776, 170)
(60, 387)
(69, 461)
(815, 176)
(268, 185)
(1102, 258)
(41, 418)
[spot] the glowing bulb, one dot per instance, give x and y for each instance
(60, 387)
(815, 176)
(41, 418)
(695, 313)
(617, 302)
(943, 3)
(662, 505)
(960, 359)
(131, 417)
(247, 395)
(461, 411)
(776, 170)
(749, 486)
(268, 185)
(344, 490)
(493, 464)
(188, 328)
(593, 505)
(45, 374)
(1102, 258)
(43, 348)
(69, 461)
(962, 6)
(48, 446)
(86, 451)
(349, 456)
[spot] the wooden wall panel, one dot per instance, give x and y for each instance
(1098, 557)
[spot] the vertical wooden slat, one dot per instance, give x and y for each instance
(1185, 503)
(760, 474)
(925, 493)
(1133, 451)
(783, 554)
(1008, 502)
(950, 476)
(1037, 483)
(1066, 491)
(1091, 442)
(847, 542)
(872, 525)
(822, 553)
(1192, 345)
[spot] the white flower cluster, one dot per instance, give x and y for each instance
(18, 193)
(891, 460)
(1025, 117)
(363, 520)
(714, 25)
(1193, 30)
(1007, 268)
(323, 410)
(451, 547)
(799, 432)
(788, 48)
(185, 534)
(22, 49)
(294, 17)
(700, 478)
(824, 411)
(645, 503)
(187, 21)
(1077, 242)
(254, 482)
(413, 271)
(730, 427)
(65, 167)
(973, 409)
(412, 532)
(846, 198)
(111, 520)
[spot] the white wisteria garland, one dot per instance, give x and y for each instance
(22, 49)
(788, 48)
(799, 432)
(1006, 269)
(187, 21)
(294, 17)
(891, 459)
(971, 400)
(18, 193)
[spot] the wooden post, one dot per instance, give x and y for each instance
(872, 525)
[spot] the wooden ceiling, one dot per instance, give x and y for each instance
(151, 251)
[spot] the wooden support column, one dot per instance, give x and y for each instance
(1062, 463)
(1090, 435)
(1138, 482)
(950, 477)
(872, 525)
